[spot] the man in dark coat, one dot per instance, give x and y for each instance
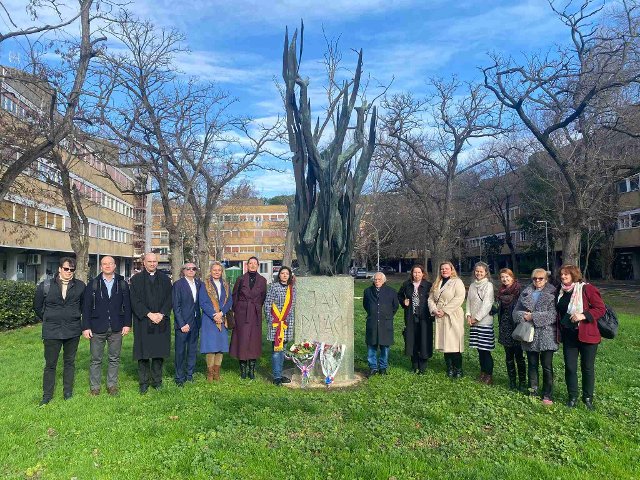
(151, 306)
(381, 303)
(249, 293)
(187, 320)
(58, 303)
(106, 318)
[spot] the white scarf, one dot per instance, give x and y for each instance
(575, 303)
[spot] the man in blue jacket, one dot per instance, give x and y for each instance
(187, 321)
(106, 318)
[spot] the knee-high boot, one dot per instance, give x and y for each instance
(252, 369)
(511, 372)
(243, 369)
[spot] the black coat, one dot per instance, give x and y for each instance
(151, 340)
(380, 307)
(61, 319)
(418, 336)
(101, 311)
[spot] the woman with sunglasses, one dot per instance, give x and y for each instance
(579, 307)
(58, 303)
(215, 302)
(537, 305)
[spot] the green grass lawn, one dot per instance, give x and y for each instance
(400, 426)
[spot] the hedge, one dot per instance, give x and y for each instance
(16, 304)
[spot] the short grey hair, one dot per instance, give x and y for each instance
(384, 277)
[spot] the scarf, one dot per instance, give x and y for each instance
(252, 279)
(508, 294)
(212, 291)
(481, 286)
(279, 319)
(63, 288)
(575, 303)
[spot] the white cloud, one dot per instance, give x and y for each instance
(270, 183)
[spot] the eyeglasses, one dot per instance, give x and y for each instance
(537, 279)
(195, 269)
(67, 269)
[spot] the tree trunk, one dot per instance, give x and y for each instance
(177, 256)
(607, 252)
(203, 257)
(570, 247)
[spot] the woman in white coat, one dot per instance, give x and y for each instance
(445, 304)
(480, 320)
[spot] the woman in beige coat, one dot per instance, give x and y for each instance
(445, 304)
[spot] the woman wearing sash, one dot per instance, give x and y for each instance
(445, 303)
(215, 302)
(279, 309)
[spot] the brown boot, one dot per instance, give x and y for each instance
(210, 373)
(488, 379)
(216, 372)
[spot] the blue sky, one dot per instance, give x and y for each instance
(239, 43)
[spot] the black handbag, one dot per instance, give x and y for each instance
(608, 323)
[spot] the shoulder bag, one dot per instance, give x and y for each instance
(523, 332)
(608, 323)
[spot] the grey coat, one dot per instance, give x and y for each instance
(544, 318)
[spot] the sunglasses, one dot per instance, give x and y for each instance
(537, 279)
(195, 269)
(67, 269)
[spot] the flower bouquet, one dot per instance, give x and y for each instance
(304, 355)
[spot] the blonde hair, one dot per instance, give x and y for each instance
(485, 266)
(224, 275)
(438, 282)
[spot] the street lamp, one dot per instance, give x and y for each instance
(546, 239)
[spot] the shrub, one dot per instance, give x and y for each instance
(16, 304)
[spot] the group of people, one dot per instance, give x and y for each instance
(566, 315)
(206, 312)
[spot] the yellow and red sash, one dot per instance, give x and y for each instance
(279, 320)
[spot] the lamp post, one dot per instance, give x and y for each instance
(546, 239)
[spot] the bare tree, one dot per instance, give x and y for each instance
(73, 200)
(427, 154)
(45, 126)
(566, 99)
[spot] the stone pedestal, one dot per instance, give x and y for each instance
(324, 313)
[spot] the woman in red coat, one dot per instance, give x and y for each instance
(579, 306)
(249, 293)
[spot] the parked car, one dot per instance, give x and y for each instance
(363, 273)
(387, 269)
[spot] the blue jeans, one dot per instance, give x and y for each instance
(277, 361)
(376, 363)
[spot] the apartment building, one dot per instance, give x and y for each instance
(34, 222)
(237, 233)
(626, 241)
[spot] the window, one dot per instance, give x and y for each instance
(264, 267)
(523, 236)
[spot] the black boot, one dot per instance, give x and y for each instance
(511, 372)
(522, 376)
(243, 369)
(449, 361)
(414, 365)
(252, 369)
(422, 366)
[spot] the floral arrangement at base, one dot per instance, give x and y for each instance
(304, 355)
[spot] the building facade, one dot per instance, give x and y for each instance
(34, 222)
(237, 233)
